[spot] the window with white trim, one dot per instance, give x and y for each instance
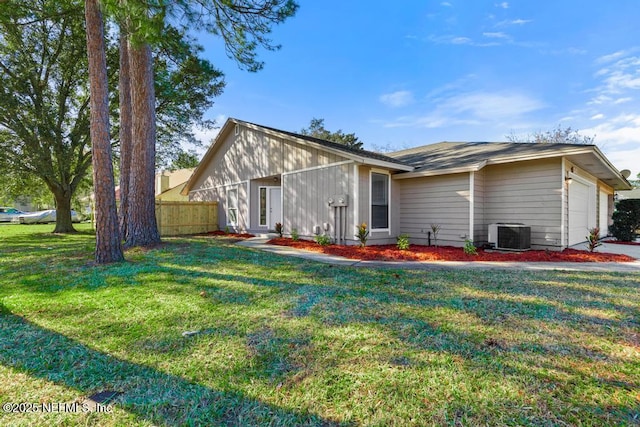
(263, 206)
(379, 201)
(232, 206)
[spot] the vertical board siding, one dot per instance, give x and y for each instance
(180, 218)
(258, 157)
(442, 200)
(529, 193)
(306, 194)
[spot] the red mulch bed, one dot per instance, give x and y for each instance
(615, 242)
(448, 253)
(238, 235)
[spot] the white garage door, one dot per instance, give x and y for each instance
(581, 211)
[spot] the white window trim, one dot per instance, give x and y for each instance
(380, 230)
(228, 207)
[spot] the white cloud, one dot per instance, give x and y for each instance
(612, 57)
(460, 40)
(617, 80)
(597, 116)
(496, 35)
(397, 99)
(446, 4)
(493, 106)
(474, 109)
(503, 5)
(619, 139)
(513, 22)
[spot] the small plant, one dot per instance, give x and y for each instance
(294, 235)
(279, 228)
(469, 247)
(362, 234)
(323, 240)
(593, 239)
(403, 242)
(227, 230)
(435, 228)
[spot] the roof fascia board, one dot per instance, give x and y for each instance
(612, 168)
(525, 157)
(448, 171)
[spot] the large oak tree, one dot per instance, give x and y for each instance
(44, 105)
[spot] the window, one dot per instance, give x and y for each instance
(263, 206)
(379, 201)
(232, 206)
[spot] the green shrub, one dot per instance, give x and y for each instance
(363, 234)
(279, 228)
(469, 247)
(593, 239)
(626, 220)
(403, 242)
(294, 235)
(323, 240)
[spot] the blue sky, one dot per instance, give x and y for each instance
(408, 73)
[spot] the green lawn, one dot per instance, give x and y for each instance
(290, 342)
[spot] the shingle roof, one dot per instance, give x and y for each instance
(448, 155)
(330, 144)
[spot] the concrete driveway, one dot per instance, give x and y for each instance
(612, 248)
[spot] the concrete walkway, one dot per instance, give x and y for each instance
(260, 243)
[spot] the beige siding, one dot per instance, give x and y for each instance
(256, 157)
(442, 200)
(306, 195)
(529, 193)
(608, 208)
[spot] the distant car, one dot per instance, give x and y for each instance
(43, 217)
(8, 214)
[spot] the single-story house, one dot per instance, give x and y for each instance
(262, 176)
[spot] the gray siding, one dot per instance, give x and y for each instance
(364, 208)
(480, 232)
(442, 200)
(526, 192)
(306, 195)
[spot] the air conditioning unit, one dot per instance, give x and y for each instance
(514, 237)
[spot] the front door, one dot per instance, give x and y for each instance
(274, 197)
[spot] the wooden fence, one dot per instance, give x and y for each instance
(179, 218)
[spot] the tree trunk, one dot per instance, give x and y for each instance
(108, 243)
(63, 210)
(125, 129)
(142, 229)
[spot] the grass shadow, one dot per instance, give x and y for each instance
(149, 394)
